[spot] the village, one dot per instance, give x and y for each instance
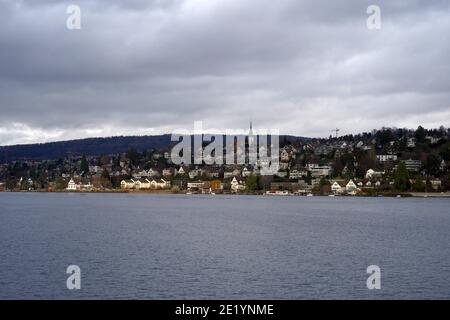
(383, 162)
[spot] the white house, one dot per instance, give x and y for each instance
(159, 184)
(195, 185)
(140, 174)
(281, 174)
(284, 155)
(351, 187)
(127, 184)
(336, 188)
(237, 185)
(443, 165)
(246, 172)
(386, 157)
(370, 174)
(142, 184)
(71, 185)
(152, 173)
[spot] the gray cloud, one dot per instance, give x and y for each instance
(140, 67)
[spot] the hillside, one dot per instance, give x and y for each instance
(89, 146)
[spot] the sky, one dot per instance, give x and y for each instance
(141, 67)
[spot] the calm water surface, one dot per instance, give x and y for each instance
(222, 247)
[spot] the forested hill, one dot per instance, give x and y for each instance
(89, 146)
(94, 147)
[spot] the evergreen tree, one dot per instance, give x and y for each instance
(251, 182)
(401, 178)
(84, 167)
(420, 134)
(432, 165)
(418, 185)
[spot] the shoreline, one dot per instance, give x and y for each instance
(165, 192)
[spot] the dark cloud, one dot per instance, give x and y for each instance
(152, 66)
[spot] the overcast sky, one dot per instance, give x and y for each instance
(149, 67)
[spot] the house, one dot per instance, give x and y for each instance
(282, 174)
(127, 184)
(246, 172)
(318, 170)
(94, 169)
(167, 173)
(371, 174)
(432, 140)
(336, 188)
(411, 143)
(436, 184)
(140, 174)
(195, 185)
(142, 184)
(351, 188)
(152, 173)
(195, 173)
(413, 165)
(230, 174)
(159, 184)
(72, 186)
(237, 184)
(284, 155)
(297, 174)
(182, 170)
(386, 157)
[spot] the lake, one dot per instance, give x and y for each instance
(141, 246)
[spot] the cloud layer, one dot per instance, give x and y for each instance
(148, 67)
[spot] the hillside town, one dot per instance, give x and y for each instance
(389, 161)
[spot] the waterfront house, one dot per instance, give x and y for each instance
(142, 184)
(160, 184)
(72, 186)
(237, 184)
(195, 185)
(336, 188)
(127, 184)
(351, 188)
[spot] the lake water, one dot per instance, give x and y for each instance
(222, 247)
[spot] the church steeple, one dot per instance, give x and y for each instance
(251, 128)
